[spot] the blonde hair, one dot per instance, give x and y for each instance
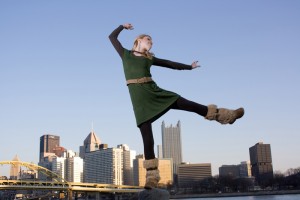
(147, 54)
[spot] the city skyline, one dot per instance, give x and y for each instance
(59, 73)
(92, 137)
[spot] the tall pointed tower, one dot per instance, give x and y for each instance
(15, 169)
(91, 143)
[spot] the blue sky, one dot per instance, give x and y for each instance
(59, 74)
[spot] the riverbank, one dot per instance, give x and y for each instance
(256, 193)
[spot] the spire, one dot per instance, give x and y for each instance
(178, 123)
(16, 158)
(92, 139)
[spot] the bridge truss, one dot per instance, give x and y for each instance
(57, 183)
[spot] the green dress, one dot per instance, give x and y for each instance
(148, 100)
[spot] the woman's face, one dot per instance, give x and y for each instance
(146, 43)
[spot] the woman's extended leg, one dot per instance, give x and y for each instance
(184, 104)
(150, 162)
(210, 112)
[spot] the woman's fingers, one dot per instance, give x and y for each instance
(195, 64)
(128, 26)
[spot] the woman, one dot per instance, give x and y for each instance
(150, 102)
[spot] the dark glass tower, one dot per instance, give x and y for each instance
(261, 162)
(47, 144)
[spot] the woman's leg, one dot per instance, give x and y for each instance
(147, 135)
(210, 112)
(150, 162)
(184, 104)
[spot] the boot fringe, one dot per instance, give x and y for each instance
(151, 164)
(153, 174)
(212, 112)
(152, 179)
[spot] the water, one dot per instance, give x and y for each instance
(264, 197)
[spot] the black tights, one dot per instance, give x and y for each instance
(146, 127)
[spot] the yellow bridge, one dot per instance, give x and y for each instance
(58, 183)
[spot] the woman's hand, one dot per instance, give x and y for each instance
(195, 64)
(128, 26)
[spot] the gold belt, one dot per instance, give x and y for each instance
(139, 80)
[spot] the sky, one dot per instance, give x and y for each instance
(60, 75)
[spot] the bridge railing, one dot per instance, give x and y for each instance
(58, 183)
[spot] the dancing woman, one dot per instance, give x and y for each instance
(150, 102)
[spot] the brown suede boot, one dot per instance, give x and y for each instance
(223, 115)
(152, 175)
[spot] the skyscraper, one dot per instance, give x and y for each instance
(59, 166)
(91, 143)
(47, 145)
(15, 169)
(68, 166)
(128, 157)
(104, 166)
(171, 144)
(261, 162)
(74, 166)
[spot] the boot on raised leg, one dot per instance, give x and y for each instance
(223, 115)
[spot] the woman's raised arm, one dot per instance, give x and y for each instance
(113, 37)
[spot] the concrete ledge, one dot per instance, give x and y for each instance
(154, 194)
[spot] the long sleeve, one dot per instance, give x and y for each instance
(113, 37)
(170, 64)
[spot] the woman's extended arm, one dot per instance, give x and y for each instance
(174, 65)
(113, 37)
